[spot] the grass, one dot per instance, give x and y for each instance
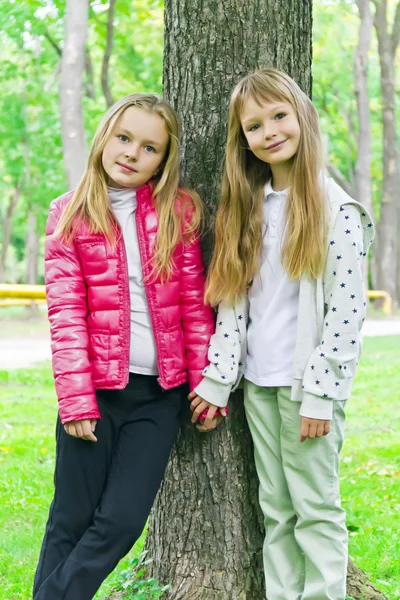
(370, 474)
(27, 423)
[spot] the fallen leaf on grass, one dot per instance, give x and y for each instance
(384, 582)
(383, 472)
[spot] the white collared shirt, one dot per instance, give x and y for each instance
(274, 302)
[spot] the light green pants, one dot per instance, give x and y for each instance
(305, 548)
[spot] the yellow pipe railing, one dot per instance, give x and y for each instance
(387, 299)
(24, 294)
(22, 291)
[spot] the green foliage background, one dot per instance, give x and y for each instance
(30, 132)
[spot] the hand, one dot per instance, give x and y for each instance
(83, 429)
(313, 428)
(198, 405)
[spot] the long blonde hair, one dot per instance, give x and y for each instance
(177, 221)
(238, 227)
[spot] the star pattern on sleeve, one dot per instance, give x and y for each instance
(225, 350)
(333, 363)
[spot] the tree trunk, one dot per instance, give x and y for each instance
(72, 70)
(32, 256)
(364, 150)
(388, 222)
(32, 248)
(209, 45)
(107, 55)
(358, 586)
(395, 38)
(7, 227)
(89, 86)
(206, 530)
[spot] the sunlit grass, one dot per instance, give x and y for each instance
(370, 470)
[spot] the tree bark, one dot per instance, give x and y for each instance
(89, 86)
(107, 54)
(364, 149)
(209, 45)
(358, 586)
(7, 227)
(206, 530)
(387, 246)
(72, 69)
(395, 38)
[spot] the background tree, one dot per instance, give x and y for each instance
(206, 530)
(364, 150)
(71, 89)
(337, 97)
(31, 48)
(388, 247)
(107, 54)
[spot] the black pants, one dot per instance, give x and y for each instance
(104, 490)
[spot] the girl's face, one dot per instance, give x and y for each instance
(135, 149)
(272, 131)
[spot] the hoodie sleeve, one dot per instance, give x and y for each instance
(331, 368)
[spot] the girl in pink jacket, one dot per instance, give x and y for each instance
(124, 282)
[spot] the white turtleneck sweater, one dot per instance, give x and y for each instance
(143, 353)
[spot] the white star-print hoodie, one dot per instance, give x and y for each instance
(331, 313)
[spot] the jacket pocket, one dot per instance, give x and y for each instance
(178, 349)
(99, 350)
(93, 254)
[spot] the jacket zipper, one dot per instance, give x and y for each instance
(127, 304)
(149, 292)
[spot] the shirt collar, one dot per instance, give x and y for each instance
(268, 190)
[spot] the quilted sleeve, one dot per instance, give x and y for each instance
(67, 311)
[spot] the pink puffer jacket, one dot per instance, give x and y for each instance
(89, 311)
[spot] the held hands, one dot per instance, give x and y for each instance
(313, 428)
(83, 429)
(198, 405)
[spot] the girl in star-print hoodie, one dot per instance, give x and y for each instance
(291, 303)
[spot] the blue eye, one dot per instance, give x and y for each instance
(149, 149)
(280, 116)
(254, 127)
(123, 138)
